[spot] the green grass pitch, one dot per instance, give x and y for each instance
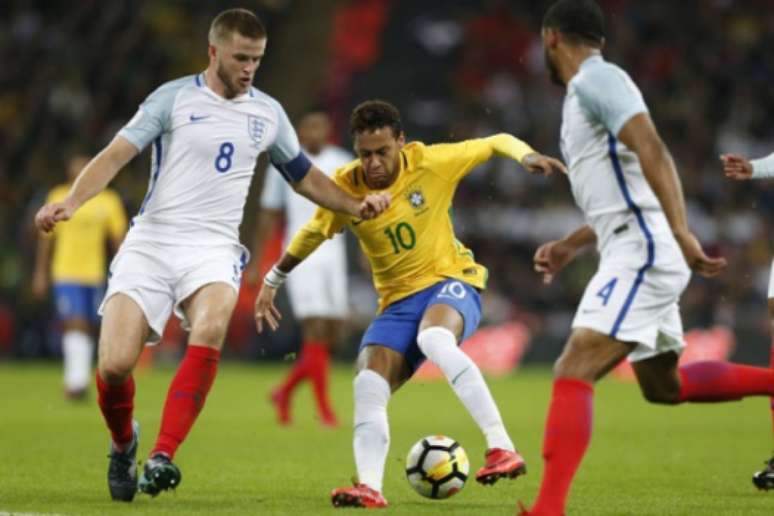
(643, 459)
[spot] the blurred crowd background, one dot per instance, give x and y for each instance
(74, 72)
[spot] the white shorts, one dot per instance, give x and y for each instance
(633, 297)
(160, 277)
(771, 281)
(318, 288)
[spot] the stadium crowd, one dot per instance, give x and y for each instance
(457, 70)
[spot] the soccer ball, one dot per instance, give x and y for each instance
(437, 467)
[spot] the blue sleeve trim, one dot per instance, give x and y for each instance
(296, 169)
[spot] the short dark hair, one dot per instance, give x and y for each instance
(579, 19)
(375, 114)
(242, 21)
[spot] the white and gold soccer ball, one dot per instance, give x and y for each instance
(437, 467)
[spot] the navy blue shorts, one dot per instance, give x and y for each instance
(397, 327)
(74, 300)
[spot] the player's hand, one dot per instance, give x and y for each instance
(48, 216)
(736, 166)
(373, 205)
(696, 258)
(536, 163)
(265, 309)
(552, 257)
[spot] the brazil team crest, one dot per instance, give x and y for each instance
(256, 128)
(416, 198)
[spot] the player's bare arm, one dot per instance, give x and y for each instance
(533, 162)
(265, 309)
(736, 166)
(640, 135)
(318, 188)
(91, 181)
(552, 257)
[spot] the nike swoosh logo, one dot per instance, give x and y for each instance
(356, 222)
(195, 118)
(454, 380)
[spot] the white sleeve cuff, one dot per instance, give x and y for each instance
(763, 168)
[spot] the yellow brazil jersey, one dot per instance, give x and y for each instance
(79, 247)
(411, 245)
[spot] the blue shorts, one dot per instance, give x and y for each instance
(397, 327)
(74, 300)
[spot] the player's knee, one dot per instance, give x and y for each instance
(114, 372)
(210, 332)
(434, 338)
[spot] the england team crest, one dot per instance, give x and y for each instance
(256, 128)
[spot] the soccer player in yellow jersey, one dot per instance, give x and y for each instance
(428, 283)
(74, 260)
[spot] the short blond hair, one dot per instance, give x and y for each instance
(239, 20)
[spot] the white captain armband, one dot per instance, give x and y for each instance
(275, 278)
(296, 169)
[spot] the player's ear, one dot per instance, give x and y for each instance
(401, 139)
(212, 51)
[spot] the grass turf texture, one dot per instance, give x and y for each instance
(643, 459)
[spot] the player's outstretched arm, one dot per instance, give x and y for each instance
(318, 188)
(265, 309)
(639, 134)
(94, 177)
(552, 257)
(509, 146)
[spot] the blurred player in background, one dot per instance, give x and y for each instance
(624, 179)
(72, 260)
(318, 288)
(182, 252)
(428, 284)
(741, 169)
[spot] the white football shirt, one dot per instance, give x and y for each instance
(606, 177)
(204, 153)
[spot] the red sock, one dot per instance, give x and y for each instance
(298, 372)
(568, 432)
(724, 381)
(117, 404)
(771, 400)
(319, 363)
(186, 397)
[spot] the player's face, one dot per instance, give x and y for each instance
(379, 152)
(236, 62)
(313, 131)
(550, 40)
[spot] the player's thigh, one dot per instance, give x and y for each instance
(123, 334)
(319, 329)
(658, 378)
(454, 305)
(207, 290)
(589, 355)
(388, 363)
(208, 311)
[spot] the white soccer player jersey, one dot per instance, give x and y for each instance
(278, 195)
(204, 152)
(606, 177)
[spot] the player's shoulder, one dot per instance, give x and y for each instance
(173, 86)
(596, 74)
(350, 176)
